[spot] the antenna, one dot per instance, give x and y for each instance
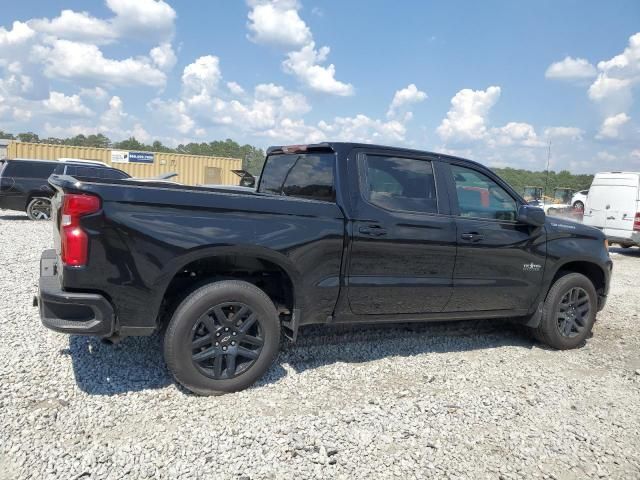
(546, 183)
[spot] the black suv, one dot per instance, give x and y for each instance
(24, 185)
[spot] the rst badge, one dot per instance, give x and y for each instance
(531, 267)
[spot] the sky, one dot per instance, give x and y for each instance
(494, 81)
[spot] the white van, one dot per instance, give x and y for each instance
(613, 205)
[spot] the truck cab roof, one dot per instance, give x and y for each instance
(342, 147)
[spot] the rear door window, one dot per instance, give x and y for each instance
(27, 169)
(401, 184)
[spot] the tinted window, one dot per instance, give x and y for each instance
(113, 174)
(80, 171)
(26, 169)
(397, 183)
(305, 176)
(481, 197)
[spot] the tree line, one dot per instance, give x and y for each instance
(519, 179)
(253, 158)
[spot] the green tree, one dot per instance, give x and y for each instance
(131, 144)
(28, 137)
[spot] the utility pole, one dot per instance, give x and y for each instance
(546, 183)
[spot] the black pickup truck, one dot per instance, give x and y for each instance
(334, 232)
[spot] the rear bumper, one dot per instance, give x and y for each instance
(71, 312)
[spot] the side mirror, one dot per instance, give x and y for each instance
(531, 215)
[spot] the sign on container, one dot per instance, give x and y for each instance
(120, 156)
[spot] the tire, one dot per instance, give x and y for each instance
(553, 330)
(578, 206)
(39, 208)
(204, 342)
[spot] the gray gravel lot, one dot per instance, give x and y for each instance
(471, 400)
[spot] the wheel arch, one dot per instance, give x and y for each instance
(594, 272)
(219, 263)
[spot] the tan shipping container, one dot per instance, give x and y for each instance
(191, 169)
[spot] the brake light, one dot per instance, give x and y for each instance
(636, 223)
(294, 148)
(74, 240)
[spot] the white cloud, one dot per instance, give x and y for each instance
(606, 88)
(16, 82)
(150, 20)
(67, 59)
(202, 76)
(140, 133)
(173, 113)
(61, 104)
(573, 133)
(19, 33)
(571, 69)
(611, 126)
(626, 64)
(96, 93)
(617, 77)
(277, 22)
(405, 97)
(163, 56)
(361, 128)
(466, 120)
(79, 26)
(235, 88)
(145, 19)
(635, 154)
(305, 64)
(514, 133)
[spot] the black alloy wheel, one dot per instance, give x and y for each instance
(222, 337)
(568, 312)
(226, 340)
(39, 209)
(574, 310)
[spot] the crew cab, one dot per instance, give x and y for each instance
(334, 232)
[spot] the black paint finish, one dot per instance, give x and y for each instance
(348, 261)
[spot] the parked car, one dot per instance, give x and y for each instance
(334, 233)
(24, 186)
(579, 200)
(613, 206)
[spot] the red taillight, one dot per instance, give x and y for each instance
(74, 240)
(636, 223)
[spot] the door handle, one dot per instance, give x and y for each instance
(472, 237)
(373, 230)
(611, 218)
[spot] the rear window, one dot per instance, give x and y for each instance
(26, 169)
(113, 174)
(300, 175)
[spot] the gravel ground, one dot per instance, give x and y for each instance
(471, 400)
